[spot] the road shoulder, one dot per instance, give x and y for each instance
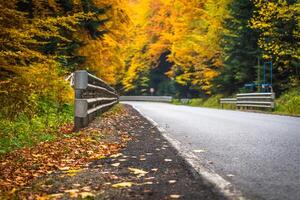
(147, 168)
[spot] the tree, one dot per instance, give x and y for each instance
(240, 49)
(278, 24)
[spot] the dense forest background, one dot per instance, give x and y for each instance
(179, 47)
(183, 48)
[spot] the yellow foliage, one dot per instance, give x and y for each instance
(190, 30)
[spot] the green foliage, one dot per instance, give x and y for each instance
(240, 49)
(176, 102)
(24, 131)
(278, 24)
(213, 102)
(289, 102)
(196, 102)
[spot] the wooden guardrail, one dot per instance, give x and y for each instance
(255, 100)
(92, 97)
(147, 98)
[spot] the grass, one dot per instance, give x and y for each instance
(24, 131)
(212, 102)
(289, 103)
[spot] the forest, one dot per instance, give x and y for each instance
(183, 48)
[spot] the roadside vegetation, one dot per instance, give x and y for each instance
(287, 104)
(50, 119)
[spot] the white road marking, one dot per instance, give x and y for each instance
(223, 186)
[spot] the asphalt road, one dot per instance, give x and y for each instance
(258, 153)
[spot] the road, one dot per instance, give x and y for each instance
(258, 153)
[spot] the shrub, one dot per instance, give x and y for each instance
(196, 102)
(289, 102)
(213, 102)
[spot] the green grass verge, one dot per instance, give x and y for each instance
(26, 132)
(289, 103)
(212, 102)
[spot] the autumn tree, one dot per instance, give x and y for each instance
(278, 24)
(41, 41)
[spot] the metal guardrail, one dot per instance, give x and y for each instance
(147, 98)
(255, 100)
(92, 97)
(251, 100)
(227, 101)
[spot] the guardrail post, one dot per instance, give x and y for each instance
(93, 96)
(81, 106)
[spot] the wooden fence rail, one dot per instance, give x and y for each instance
(92, 97)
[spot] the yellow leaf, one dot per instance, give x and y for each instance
(175, 196)
(123, 184)
(137, 171)
(116, 155)
(115, 164)
(86, 194)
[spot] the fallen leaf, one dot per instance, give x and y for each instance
(199, 151)
(101, 157)
(58, 195)
(86, 194)
(146, 183)
(13, 191)
(64, 168)
(230, 175)
(116, 155)
(71, 191)
(86, 188)
(74, 170)
(149, 178)
(123, 184)
(175, 196)
(137, 171)
(115, 164)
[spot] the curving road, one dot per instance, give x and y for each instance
(258, 153)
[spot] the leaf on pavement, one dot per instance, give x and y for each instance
(175, 196)
(123, 184)
(86, 194)
(137, 171)
(115, 164)
(199, 150)
(116, 155)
